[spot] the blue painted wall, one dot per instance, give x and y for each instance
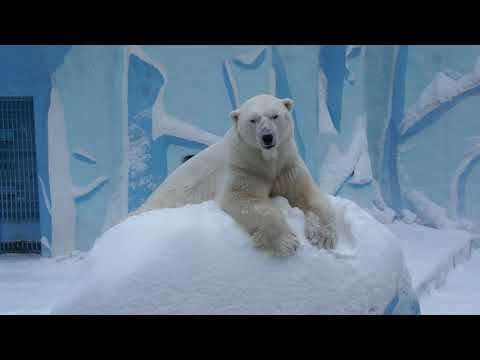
(27, 71)
(108, 94)
(332, 61)
(435, 148)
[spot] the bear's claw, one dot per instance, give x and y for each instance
(322, 236)
(282, 245)
(286, 245)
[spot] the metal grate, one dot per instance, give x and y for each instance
(18, 168)
(20, 247)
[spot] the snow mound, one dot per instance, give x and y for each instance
(197, 260)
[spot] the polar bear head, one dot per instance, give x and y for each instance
(264, 122)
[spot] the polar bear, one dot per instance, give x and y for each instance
(256, 160)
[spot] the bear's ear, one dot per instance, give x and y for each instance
(234, 115)
(289, 103)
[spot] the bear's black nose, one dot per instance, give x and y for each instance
(267, 139)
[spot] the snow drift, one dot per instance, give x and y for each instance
(197, 260)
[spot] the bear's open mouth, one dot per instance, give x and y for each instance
(268, 141)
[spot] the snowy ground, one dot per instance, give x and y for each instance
(460, 295)
(31, 284)
(444, 274)
(436, 258)
(430, 253)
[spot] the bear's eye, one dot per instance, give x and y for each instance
(275, 117)
(253, 121)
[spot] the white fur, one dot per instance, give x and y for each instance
(242, 176)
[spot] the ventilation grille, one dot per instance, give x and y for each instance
(18, 168)
(20, 247)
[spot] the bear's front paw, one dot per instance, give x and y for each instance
(283, 244)
(322, 236)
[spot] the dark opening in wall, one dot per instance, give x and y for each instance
(19, 210)
(187, 157)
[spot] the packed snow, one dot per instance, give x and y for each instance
(442, 275)
(385, 215)
(32, 284)
(197, 260)
(459, 295)
(431, 254)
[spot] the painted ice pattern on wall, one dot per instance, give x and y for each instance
(83, 155)
(393, 145)
(458, 184)
(84, 192)
(353, 165)
(132, 113)
(90, 93)
(369, 153)
(144, 83)
(152, 129)
(325, 122)
(436, 155)
(62, 206)
(444, 88)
